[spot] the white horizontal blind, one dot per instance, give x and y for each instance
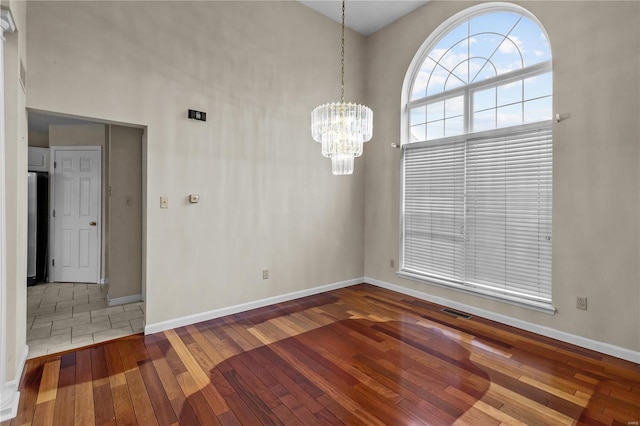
(434, 209)
(477, 213)
(508, 223)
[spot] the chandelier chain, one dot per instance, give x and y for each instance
(342, 128)
(342, 63)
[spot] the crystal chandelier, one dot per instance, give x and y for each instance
(342, 127)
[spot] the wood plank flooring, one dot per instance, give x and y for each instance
(360, 355)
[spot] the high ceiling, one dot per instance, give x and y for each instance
(365, 16)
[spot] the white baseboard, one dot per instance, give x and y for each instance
(10, 397)
(122, 300)
(606, 348)
(217, 313)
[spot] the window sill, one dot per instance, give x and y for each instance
(536, 306)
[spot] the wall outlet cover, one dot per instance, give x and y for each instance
(581, 302)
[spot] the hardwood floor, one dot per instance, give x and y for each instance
(360, 355)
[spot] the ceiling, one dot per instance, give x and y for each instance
(39, 122)
(365, 16)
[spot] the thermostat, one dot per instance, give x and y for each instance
(197, 115)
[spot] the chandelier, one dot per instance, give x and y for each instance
(342, 127)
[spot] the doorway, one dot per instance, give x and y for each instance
(95, 286)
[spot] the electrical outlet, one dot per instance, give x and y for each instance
(392, 263)
(581, 303)
(265, 274)
(164, 202)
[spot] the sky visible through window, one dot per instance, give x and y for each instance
(483, 47)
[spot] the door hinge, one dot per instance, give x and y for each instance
(54, 213)
(55, 164)
(53, 262)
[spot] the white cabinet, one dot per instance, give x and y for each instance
(38, 159)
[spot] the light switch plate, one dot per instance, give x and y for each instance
(164, 202)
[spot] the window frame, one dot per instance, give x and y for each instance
(435, 36)
(467, 93)
(453, 283)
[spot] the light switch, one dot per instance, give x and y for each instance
(164, 202)
(194, 198)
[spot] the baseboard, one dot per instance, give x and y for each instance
(122, 300)
(10, 397)
(9, 402)
(217, 313)
(606, 348)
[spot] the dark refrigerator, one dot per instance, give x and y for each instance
(37, 227)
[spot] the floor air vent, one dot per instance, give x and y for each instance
(455, 313)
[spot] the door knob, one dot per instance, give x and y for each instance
(92, 223)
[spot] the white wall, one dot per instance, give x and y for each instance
(39, 139)
(268, 199)
(125, 213)
(16, 195)
(16, 189)
(596, 211)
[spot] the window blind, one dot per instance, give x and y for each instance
(477, 213)
(434, 210)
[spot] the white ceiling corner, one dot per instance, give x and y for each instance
(365, 16)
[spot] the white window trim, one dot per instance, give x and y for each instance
(516, 75)
(451, 283)
(541, 307)
(406, 106)
(445, 27)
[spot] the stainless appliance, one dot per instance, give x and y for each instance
(37, 227)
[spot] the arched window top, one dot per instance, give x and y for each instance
(486, 68)
(481, 47)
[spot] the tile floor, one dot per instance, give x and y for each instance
(62, 316)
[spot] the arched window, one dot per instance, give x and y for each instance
(477, 153)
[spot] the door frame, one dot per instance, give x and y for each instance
(52, 195)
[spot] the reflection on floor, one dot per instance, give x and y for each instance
(63, 316)
(358, 355)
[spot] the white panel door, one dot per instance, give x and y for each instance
(76, 213)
